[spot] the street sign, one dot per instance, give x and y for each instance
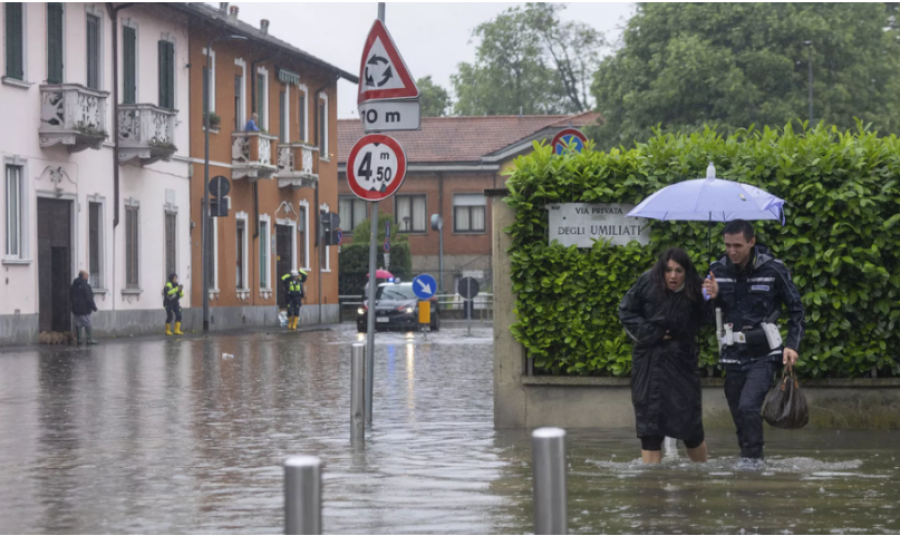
(467, 287)
(424, 286)
(382, 71)
(387, 261)
(219, 186)
(340, 237)
(387, 245)
(386, 115)
(572, 137)
(376, 167)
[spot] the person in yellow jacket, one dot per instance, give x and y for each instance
(293, 288)
(172, 295)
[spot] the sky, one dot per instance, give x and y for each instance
(432, 37)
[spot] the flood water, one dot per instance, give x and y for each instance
(168, 436)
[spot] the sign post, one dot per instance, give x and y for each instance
(468, 288)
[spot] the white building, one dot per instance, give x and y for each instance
(60, 194)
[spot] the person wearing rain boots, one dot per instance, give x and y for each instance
(172, 301)
(81, 298)
(293, 288)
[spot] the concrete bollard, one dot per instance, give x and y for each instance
(303, 495)
(548, 454)
(358, 394)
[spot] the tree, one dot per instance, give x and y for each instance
(434, 99)
(735, 65)
(528, 61)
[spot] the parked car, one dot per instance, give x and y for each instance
(397, 307)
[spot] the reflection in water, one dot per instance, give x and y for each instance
(169, 436)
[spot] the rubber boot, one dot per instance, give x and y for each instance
(178, 328)
(168, 329)
(79, 337)
(293, 322)
(296, 321)
(89, 336)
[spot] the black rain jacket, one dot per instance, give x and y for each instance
(81, 297)
(665, 377)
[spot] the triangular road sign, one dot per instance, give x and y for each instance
(382, 71)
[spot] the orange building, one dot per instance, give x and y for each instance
(283, 178)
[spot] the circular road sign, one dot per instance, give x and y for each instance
(424, 286)
(467, 287)
(572, 137)
(376, 167)
(219, 186)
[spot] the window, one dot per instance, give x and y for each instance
(261, 93)
(239, 102)
(211, 90)
(129, 65)
(323, 127)
(131, 247)
(410, 213)
(15, 41)
(282, 122)
(264, 255)
(212, 257)
(353, 210)
(93, 51)
(54, 43)
(302, 259)
(302, 108)
(468, 213)
(323, 249)
(166, 74)
(241, 254)
(14, 212)
(171, 243)
(95, 226)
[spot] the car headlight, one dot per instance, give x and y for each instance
(361, 311)
(409, 309)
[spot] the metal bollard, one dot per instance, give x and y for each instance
(548, 454)
(358, 394)
(302, 495)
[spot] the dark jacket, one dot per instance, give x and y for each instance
(665, 377)
(81, 297)
(750, 296)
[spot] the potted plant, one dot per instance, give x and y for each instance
(214, 121)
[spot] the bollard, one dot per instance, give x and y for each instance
(358, 394)
(548, 454)
(303, 495)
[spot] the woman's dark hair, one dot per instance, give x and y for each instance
(172, 277)
(692, 280)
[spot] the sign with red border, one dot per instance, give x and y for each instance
(382, 72)
(568, 136)
(376, 167)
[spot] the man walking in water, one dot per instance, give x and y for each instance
(750, 286)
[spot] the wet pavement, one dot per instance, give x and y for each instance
(169, 436)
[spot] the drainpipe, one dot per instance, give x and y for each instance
(441, 213)
(318, 214)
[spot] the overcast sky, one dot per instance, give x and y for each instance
(432, 37)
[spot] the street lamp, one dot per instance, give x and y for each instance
(406, 223)
(204, 209)
(809, 65)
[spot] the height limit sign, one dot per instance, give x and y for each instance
(376, 167)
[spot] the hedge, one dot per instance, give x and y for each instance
(353, 262)
(840, 242)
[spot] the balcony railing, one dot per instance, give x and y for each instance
(252, 155)
(72, 115)
(298, 165)
(146, 132)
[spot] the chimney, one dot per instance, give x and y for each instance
(223, 7)
(264, 26)
(233, 14)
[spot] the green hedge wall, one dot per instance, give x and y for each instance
(354, 265)
(840, 241)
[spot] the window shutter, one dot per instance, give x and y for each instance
(93, 52)
(54, 43)
(170, 75)
(14, 36)
(129, 77)
(163, 84)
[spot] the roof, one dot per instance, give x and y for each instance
(219, 18)
(465, 139)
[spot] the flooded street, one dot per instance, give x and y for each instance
(169, 436)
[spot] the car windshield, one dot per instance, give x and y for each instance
(395, 292)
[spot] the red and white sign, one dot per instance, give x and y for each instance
(570, 137)
(376, 167)
(382, 71)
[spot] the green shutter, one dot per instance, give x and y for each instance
(14, 36)
(166, 75)
(54, 43)
(129, 61)
(163, 85)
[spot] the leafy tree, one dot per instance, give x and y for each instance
(529, 61)
(434, 99)
(734, 65)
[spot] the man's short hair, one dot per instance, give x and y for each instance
(740, 226)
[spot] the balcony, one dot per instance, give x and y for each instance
(298, 165)
(72, 115)
(252, 155)
(146, 133)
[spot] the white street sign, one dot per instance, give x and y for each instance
(386, 115)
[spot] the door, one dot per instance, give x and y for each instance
(284, 262)
(54, 264)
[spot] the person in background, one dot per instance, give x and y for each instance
(81, 298)
(253, 123)
(172, 302)
(293, 290)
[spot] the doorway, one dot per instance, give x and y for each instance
(54, 264)
(284, 261)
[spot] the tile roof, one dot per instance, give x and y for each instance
(463, 139)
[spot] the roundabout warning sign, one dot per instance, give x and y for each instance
(376, 167)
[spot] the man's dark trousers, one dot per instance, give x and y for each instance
(746, 386)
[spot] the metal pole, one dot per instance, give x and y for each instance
(381, 11)
(470, 307)
(548, 451)
(303, 495)
(441, 255)
(358, 394)
(370, 317)
(204, 209)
